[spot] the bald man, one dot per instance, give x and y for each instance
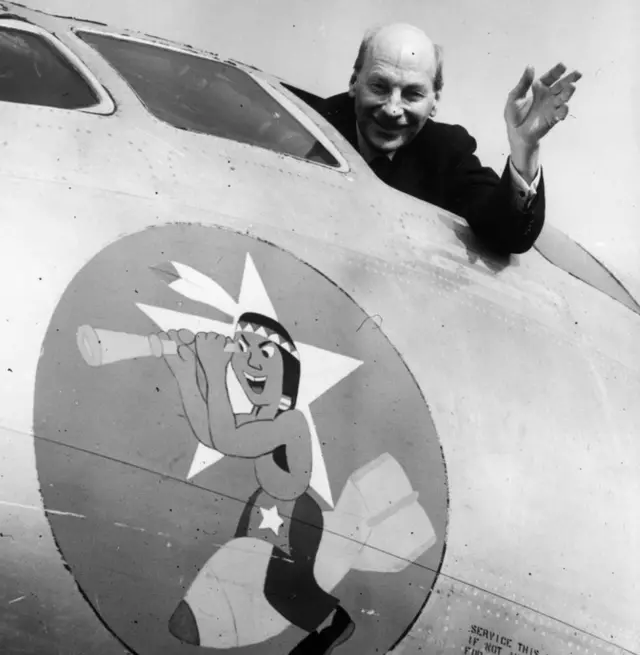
(387, 116)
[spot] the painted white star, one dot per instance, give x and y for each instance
(321, 369)
(270, 519)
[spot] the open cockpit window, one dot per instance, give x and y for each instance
(34, 72)
(196, 93)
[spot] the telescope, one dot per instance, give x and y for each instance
(99, 347)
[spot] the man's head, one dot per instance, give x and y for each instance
(396, 85)
(267, 363)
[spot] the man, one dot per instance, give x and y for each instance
(386, 115)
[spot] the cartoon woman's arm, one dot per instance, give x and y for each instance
(250, 439)
(183, 365)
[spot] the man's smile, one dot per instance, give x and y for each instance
(386, 126)
(256, 383)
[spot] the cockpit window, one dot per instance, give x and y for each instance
(203, 95)
(33, 72)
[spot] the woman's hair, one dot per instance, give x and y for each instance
(287, 348)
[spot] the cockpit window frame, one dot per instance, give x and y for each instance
(561, 251)
(306, 122)
(277, 96)
(105, 105)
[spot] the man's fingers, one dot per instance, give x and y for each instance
(184, 353)
(567, 81)
(564, 95)
(524, 83)
(553, 75)
(561, 113)
(204, 341)
(186, 336)
(210, 342)
(199, 342)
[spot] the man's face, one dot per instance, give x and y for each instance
(393, 94)
(259, 368)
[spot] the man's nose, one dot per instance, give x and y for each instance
(393, 106)
(253, 362)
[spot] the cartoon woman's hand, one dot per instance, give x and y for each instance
(183, 363)
(214, 351)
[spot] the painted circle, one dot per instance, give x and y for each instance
(117, 448)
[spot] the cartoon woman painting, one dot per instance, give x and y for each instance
(281, 522)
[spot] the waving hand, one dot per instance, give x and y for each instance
(530, 116)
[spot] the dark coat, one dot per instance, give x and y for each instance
(440, 166)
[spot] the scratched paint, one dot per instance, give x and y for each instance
(39, 509)
(177, 517)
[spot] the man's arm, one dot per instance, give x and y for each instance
(195, 407)
(184, 367)
(525, 191)
(510, 218)
(499, 215)
(229, 436)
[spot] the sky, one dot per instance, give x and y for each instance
(591, 161)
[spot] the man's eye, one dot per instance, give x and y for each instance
(268, 351)
(413, 96)
(243, 346)
(377, 87)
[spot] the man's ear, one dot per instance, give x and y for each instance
(434, 109)
(352, 84)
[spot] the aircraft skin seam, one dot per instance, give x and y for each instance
(399, 269)
(440, 573)
(168, 476)
(145, 197)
